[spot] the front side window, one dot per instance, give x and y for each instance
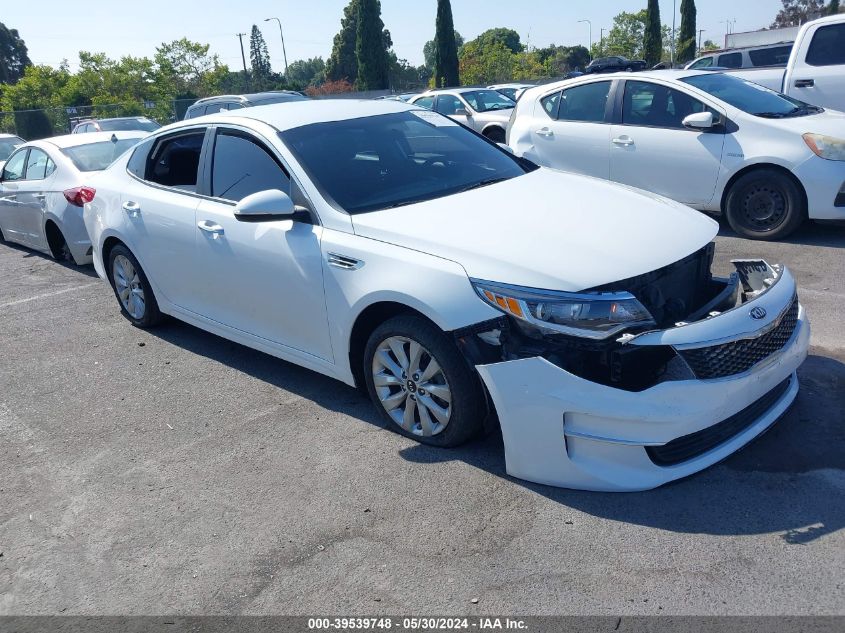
(653, 105)
(828, 46)
(487, 100)
(425, 102)
(750, 97)
(15, 166)
(97, 156)
(731, 60)
(585, 103)
(449, 105)
(37, 164)
(704, 62)
(175, 161)
(391, 160)
(242, 167)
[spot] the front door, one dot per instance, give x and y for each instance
(263, 278)
(652, 150)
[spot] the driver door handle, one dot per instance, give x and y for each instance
(623, 141)
(40, 196)
(805, 83)
(544, 131)
(210, 227)
(132, 208)
(11, 196)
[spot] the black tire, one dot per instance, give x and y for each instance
(495, 134)
(765, 204)
(467, 406)
(151, 315)
(58, 244)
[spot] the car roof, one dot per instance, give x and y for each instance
(459, 90)
(74, 140)
(293, 114)
(116, 118)
(253, 96)
(3, 135)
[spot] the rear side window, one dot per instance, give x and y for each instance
(38, 166)
(731, 60)
(828, 46)
(242, 167)
(175, 161)
(774, 56)
(585, 103)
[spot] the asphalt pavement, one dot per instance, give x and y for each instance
(172, 471)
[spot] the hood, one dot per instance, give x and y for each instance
(829, 122)
(547, 229)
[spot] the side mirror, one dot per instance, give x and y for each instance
(265, 206)
(699, 121)
(462, 112)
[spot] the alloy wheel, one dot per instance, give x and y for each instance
(412, 386)
(127, 283)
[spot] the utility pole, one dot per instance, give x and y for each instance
(700, 31)
(590, 47)
(672, 43)
(284, 52)
(243, 56)
(601, 42)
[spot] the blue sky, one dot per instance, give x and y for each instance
(58, 29)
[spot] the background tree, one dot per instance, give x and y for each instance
(343, 63)
(686, 36)
(307, 72)
(795, 12)
(833, 7)
(710, 45)
(259, 59)
(507, 37)
(653, 36)
(13, 55)
(625, 37)
(559, 60)
(483, 63)
(446, 47)
(430, 47)
(371, 47)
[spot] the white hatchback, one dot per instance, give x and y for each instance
(391, 248)
(710, 140)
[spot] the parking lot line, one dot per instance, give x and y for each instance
(46, 295)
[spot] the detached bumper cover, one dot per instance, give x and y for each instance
(563, 430)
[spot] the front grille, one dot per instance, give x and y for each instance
(695, 444)
(739, 356)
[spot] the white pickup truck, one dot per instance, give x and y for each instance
(815, 72)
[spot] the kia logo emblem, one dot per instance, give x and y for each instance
(758, 313)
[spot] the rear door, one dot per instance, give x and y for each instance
(158, 207)
(264, 278)
(651, 149)
(817, 74)
(571, 129)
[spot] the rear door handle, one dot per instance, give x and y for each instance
(805, 83)
(624, 141)
(11, 196)
(133, 209)
(544, 131)
(210, 227)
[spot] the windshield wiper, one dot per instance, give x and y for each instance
(484, 183)
(772, 115)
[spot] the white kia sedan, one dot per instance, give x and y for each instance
(391, 248)
(709, 140)
(43, 188)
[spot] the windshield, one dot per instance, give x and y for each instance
(391, 160)
(8, 145)
(97, 156)
(751, 98)
(116, 125)
(487, 100)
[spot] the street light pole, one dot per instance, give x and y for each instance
(590, 49)
(601, 41)
(672, 43)
(700, 31)
(284, 52)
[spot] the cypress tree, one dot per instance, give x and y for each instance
(686, 37)
(833, 7)
(342, 63)
(653, 39)
(259, 58)
(445, 47)
(370, 47)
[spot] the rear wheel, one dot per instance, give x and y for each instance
(495, 134)
(133, 291)
(57, 243)
(421, 384)
(765, 204)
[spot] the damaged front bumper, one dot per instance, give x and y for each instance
(564, 430)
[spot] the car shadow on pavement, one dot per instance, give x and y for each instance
(829, 234)
(26, 253)
(789, 480)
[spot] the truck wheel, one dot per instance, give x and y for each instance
(764, 204)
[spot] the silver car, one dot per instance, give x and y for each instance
(485, 111)
(42, 190)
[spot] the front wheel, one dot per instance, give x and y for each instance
(132, 289)
(421, 384)
(765, 204)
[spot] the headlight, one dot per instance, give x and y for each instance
(588, 315)
(826, 147)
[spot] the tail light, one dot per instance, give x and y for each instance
(78, 196)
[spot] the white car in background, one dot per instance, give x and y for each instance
(8, 144)
(712, 141)
(389, 247)
(43, 189)
(511, 91)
